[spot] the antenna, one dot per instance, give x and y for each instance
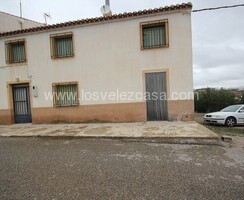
(20, 8)
(107, 2)
(21, 24)
(105, 9)
(47, 15)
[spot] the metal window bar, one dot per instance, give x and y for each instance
(63, 47)
(154, 36)
(66, 95)
(17, 52)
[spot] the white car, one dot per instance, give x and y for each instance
(230, 116)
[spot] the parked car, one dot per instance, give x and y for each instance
(229, 116)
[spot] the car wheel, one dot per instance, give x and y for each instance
(230, 121)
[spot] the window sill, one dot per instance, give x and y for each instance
(16, 63)
(61, 57)
(155, 47)
(66, 106)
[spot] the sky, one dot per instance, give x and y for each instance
(217, 36)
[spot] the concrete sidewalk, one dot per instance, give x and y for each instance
(167, 131)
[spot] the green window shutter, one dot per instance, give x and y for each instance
(154, 36)
(67, 95)
(17, 52)
(64, 47)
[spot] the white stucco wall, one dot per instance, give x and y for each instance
(10, 22)
(107, 57)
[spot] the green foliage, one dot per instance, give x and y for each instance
(242, 98)
(212, 100)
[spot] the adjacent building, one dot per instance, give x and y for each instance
(9, 22)
(106, 64)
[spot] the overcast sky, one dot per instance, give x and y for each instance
(218, 36)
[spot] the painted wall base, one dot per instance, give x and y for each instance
(182, 110)
(6, 117)
(122, 112)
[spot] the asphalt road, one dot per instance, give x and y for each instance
(36, 168)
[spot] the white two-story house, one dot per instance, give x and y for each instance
(110, 65)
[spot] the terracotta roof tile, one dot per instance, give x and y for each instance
(99, 19)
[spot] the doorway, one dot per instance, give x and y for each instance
(21, 103)
(156, 96)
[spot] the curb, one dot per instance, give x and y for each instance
(164, 140)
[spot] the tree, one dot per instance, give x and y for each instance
(242, 98)
(212, 100)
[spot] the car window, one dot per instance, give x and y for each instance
(233, 108)
(242, 109)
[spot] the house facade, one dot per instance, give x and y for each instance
(110, 66)
(9, 22)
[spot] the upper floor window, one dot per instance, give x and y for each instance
(15, 51)
(62, 45)
(154, 34)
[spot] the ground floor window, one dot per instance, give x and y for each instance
(65, 94)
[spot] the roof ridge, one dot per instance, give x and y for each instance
(101, 19)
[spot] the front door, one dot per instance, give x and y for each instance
(21, 103)
(156, 96)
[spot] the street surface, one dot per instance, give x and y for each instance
(42, 168)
